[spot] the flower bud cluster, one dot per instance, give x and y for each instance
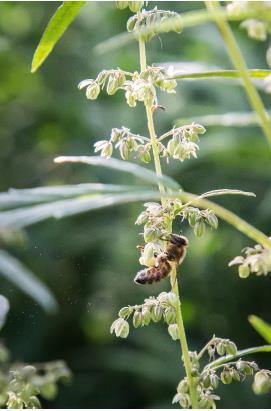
(23, 384)
(126, 142)
(183, 144)
(148, 23)
(134, 6)
(140, 87)
(113, 80)
(199, 218)
(256, 260)
(157, 220)
(208, 380)
(153, 309)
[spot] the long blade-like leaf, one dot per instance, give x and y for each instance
(23, 217)
(58, 24)
(262, 327)
(20, 197)
(14, 271)
(125, 166)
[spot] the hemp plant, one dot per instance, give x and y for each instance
(219, 361)
(159, 254)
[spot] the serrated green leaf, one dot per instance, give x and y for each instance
(261, 326)
(58, 24)
(14, 271)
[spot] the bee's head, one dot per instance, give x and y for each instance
(179, 240)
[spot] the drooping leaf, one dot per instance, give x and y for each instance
(58, 24)
(13, 270)
(20, 197)
(126, 166)
(261, 326)
(25, 216)
(4, 308)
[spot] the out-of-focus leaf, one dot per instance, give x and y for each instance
(125, 166)
(58, 24)
(262, 327)
(25, 216)
(14, 271)
(223, 120)
(4, 308)
(20, 197)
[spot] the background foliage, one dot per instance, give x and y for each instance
(89, 261)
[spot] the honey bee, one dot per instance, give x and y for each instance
(165, 261)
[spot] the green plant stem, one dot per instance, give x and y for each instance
(242, 353)
(174, 281)
(240, 64)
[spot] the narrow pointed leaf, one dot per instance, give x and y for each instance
(13, 270)
(126, 166)
(58, 24)
(20, 197)
(261, 326)
(4, 308)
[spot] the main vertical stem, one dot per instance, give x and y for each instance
(240, 64)
(173, 279)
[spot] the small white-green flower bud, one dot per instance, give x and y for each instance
(170, 315)
(171, 145)
(121, 5)
(243, 270)
(112, 84)
(137, 319)
(199, 228)
(212, 220)
(183, 387)
(125, 312)
(143, 154)
(124, 150)
(226, 377)
(168, 85)
(93, 91)
(107, 150)
(131, 98)
(146, 316)
(173, 331)
(116, 134)
(131, 23)
(135, 6)
(156, 313)
(102, 77)
(256, 29)
(214, 380)
(150, 234)
(262, 382)
(147, 257)
(206, 380)
(172, 299)
(220, 348)
(235, 375)
(122, 328)
(230, 348)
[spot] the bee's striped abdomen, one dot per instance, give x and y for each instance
(153, 274)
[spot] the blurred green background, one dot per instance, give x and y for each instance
(89, 261)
